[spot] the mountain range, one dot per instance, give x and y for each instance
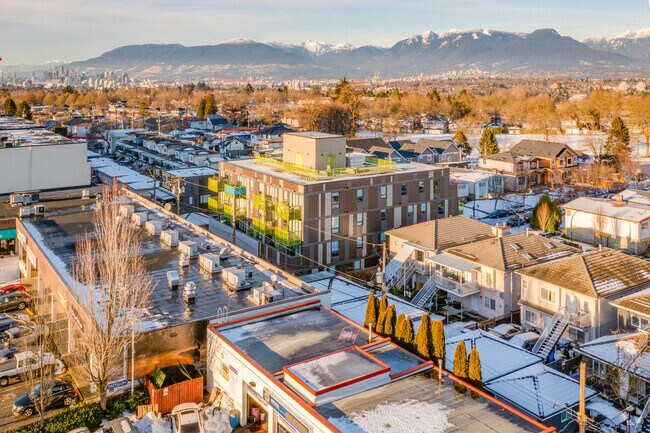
(475, 52)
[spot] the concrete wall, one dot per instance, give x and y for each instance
(43, 167)
(314, 152)
(628, 236)
(9, 270)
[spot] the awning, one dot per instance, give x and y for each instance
(453, 262)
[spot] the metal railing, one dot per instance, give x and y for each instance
(455, 287)
(287, 212)
(371, 166)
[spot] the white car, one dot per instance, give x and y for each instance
(187, 418)
(23, 362)
(505, 330)
(525, 340)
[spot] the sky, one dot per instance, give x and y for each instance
(39, 31)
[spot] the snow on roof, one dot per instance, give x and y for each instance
(498, 357)
(607, 410)
(610, 208)
(539, 390)
(193, 171)
(626, 351)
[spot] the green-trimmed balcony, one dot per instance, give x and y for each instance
(263, 226)
(214, 205)
(286, 212)
(263, 202)
(286, 238)
(215, 184)
(234, 190)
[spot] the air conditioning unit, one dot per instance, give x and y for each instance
(85, 193)
(224, 253)
(264, 295)
(39, 210)
(139, 218)
(189, 292)
(235, 278)
(183, 261)
(189, 248)
(210, 262)
(126, 210)
(169, 237)
(172, 280)
(153, 227)
(25, 212)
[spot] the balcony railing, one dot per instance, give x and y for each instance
(234, 190)
(286, 238)
(228, 210)
(372, 166)
(262, 202)
(215, 184)
(286, 212)
(457, 288)
(263, 226)
(214, 205)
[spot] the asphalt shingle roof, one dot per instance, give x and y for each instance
(539, 148)
(444, 233)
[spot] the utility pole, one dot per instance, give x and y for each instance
(152, 174)
(159, 122)
(234, 224)
(178, 189)
(582, 419)
(383, 268)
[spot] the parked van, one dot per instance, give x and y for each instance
(525, 340)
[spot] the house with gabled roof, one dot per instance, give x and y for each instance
(363, 145)
(582, 289)
(434, 151)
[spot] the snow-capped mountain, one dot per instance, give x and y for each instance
(474, 51)
(633, 43)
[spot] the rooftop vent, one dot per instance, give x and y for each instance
(529, 256)
(517, 246)
(549, 245)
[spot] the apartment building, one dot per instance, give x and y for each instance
(318, 206)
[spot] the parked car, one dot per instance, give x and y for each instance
(63, 394)
(7, 354)
(13, 288)
(527, 215)
(499, 213)
(525, 340)
(515, 221)
(186, 418)
(8, 322)
(22, 363)
(14, 301)
(21, 336)
(505, 330)
(118, 425)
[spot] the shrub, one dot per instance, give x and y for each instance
(371, 310)
(474, 375)
(423, 338)
(407, 336)
(389, 322)
(460, 361)
(399, 329)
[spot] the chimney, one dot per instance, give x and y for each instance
(618, 198)
(500, 231)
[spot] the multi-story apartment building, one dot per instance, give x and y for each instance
(318, 206)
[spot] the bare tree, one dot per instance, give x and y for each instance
(543, 215)
(117, 287)
(599, 222)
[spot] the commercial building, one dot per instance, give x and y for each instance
(307, 369)
(318, 206)
(192, 185)
(33, 158)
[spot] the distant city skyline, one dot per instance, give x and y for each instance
(41, 31)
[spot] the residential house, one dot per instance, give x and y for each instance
(435, 125)
(609, 222)
(578, 290)
(363, 145)
(634, 311)
(434, 151)
(532, 163)
(78, 127)
(476, 184)
(274, 132)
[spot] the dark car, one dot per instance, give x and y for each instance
(13, 288)
(7, 354)
(499, 213)
(14, 301)
(63, 395)
(8, 322)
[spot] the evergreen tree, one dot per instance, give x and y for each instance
(381, 321)
(617, 147)
(390, 321)
(19, 110)
(463, 144)
(422, 343)
(249, 88)
(10, 107)
(200, 111)
(488, 145)
(438, 340)
(210, 104)
(142, 110)
(407, 336)
(371, 311)
(399, 329)
(24, 110)
(460, 361)
(383, 305)
(474, 375)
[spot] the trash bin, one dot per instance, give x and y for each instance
(234, 418)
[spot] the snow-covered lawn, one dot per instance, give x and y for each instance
(408, 416)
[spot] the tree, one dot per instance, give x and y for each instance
(488, 145)
(381, 321)
(200, 111)
(111, 265)
(407, 336)
(371, 311)
(640, 109)
(438, 331)
(474, 374)
(210, 104)
(463, 144)
(10, 106)
(383, 305)
(547, 215)
(422, 343)
(543, 215)
(617, 146)
(390, 321)
(399, 329)
(249, 88)
(460, 361)
(24, 110)
(142, 110)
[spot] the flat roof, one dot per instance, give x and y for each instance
(57, 233)
(314, 134)
(610, 208)
(192, 171)
(402, 168)
(24, 133)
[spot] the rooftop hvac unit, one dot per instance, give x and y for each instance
(224, 253)
(183, 260)
(235, 278)
(169, 237)
(153, 227)
(39, 210)
(210, 262)
(85, 193)
(265, 295)
(172, 280)
(126, 210)
(25, 212)
(189, 292)
(189, 248)
(139, 218)
(20, 199)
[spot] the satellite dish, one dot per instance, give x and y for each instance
(168, 206)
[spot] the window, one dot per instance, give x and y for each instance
(203, 199)
(404, 189)
(569, 161)
(488, 279)
(335, 224)
(335, 248)
(423, 207)
(359, 219)
(533, 164)
(576, 334)
(357, 264)
(359, 195)
(637, 321)
(441, 208)
(490, 303)
(521, 180)
(359, 242)
(547, 295)
(421, 186)
(436, 185)
(565, 416)
(409, 209)
(335, 200)
(382, 215)
(383, 191)
(531, 317)
(382, 238)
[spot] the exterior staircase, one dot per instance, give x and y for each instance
(397, 263)
(426, 293)
(642, 423)
(402, 278)
(552, 333)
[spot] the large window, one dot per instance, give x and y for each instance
(383, 191)
(487, 279)
(359, 219)
(637, 321)
(335, 248)
(547, 295)
(359, 195)
(382, 215)
(531, 317)
(404, 188)
(490, 303)
(359, 242)
(335, 200)
(335, 224)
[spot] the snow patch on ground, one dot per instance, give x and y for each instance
(218, 420)
(150, 423)
(404, 417)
